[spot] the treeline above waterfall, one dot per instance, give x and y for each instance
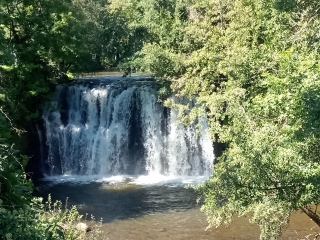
(251, 68)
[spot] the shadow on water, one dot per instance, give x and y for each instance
(120, 201)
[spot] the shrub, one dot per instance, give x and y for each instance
(39, 220)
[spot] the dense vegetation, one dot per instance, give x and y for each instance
(253, 67)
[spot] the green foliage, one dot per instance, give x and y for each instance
(35, 54)
(161, 62)
(15, 190)
(164, 41)
(164, 93)
(108, 36)
(253, 68)
(260, 90)
(43, 221)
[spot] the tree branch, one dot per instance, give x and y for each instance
(315, 217)
(19, 131)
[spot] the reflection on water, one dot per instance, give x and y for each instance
(121, 201)
(158, 212)
(191, 224)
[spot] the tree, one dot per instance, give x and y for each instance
(161, 49)
(41, 41)
(253, 68)
(258, 81)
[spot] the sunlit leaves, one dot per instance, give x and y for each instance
(253, 67)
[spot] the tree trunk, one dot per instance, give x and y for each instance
(313, 215)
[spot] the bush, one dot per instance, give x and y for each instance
(39, 220)
(15, 189)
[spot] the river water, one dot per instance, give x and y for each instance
(131, 211)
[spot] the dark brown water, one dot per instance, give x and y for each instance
(158, 212)
(121, 201)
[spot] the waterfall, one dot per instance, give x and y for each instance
(117, 127)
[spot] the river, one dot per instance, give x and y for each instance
(170, 211)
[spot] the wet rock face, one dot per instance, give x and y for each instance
(117, 81)
(35, 166)
(83, 227)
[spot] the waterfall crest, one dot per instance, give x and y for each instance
(118, 128)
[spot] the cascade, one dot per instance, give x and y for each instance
(109, 126)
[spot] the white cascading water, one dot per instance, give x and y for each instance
(117, 129)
